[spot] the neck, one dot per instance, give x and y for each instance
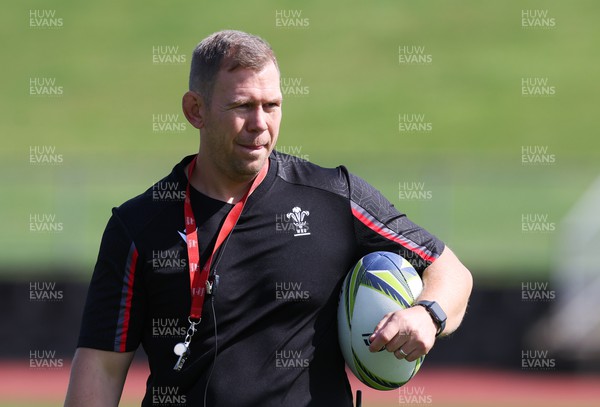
(213, 183)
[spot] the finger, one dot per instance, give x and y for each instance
(410, 351)
(384, 334)
(416, 346)
(401, 354)
(398, 342)
(414, 355)
(380, 325)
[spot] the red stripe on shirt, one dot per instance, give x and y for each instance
(379, 229)
(128, 301)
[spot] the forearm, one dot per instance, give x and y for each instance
(448, 282)
(97, 378)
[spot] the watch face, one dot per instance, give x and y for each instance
(437, 314)
(437, 311)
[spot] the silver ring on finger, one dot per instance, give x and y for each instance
(404, 354)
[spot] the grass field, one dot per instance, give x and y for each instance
(346, 54)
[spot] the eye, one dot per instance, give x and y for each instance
(271, 106)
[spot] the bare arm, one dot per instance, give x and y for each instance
(97, 378)
(446, 281)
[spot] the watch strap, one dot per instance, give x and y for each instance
(437, 314)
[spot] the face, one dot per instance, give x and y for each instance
(240, 127)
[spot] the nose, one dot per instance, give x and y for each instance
(257, 120)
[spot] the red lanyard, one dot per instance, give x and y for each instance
(199, 280)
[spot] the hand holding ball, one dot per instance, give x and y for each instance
(380, 283)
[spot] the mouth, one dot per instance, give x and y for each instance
(252, 147)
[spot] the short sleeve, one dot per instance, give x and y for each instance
(114, 311)
(380, 226)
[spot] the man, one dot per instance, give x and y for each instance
(286, 233)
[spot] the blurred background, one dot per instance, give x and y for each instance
(477, 119)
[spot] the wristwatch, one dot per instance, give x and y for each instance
(437, 314)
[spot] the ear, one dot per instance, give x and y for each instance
(193, 108)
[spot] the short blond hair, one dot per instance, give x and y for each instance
(229, 50)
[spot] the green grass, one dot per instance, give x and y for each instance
(348, 57)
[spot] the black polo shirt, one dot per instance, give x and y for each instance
(280, 274)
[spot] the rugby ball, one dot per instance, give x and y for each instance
(379, 283)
